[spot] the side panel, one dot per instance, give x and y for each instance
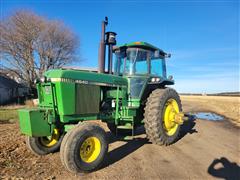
(65, 93)
(45, 95)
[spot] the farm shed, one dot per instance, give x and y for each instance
(10, 90)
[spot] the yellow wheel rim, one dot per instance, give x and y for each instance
(51, 140)
(90, 149)
(171, 109)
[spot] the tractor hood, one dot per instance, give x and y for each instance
(85, 77)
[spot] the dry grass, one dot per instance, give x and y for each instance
(9, 112)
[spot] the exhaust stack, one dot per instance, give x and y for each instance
(107, 38)
(102, 47)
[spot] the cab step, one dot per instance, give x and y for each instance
(129, 126)
(124, 127)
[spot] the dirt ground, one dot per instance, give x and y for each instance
(206, 150)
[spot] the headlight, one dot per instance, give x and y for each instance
(43, 79)
(155, 79)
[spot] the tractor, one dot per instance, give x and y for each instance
(127, 91)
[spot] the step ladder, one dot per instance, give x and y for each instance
(128, 126)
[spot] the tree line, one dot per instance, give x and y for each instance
(31, 44)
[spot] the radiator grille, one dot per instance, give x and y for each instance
(87, 99)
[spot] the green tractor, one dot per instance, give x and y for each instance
(130, 93)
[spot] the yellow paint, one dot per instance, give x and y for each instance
(50, 141)
(90, 149)
(137, 43)
(171, 110)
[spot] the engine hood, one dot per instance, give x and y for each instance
(86, 76)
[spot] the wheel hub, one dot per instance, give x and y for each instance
(170, 113)
(90, 149)
(50, 141)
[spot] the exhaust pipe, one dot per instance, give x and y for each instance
(107, 38)
(102, 47)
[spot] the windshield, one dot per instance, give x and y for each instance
(133, 61)
(138, 61)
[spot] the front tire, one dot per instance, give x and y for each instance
(161, 107)
(45, 145)
(84, 148)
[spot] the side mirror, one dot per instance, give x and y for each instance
(170, 77)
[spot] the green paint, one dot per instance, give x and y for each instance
(76, 118)
(65, 96)
(72, 96)
(86, 76)
(117, 107)
(34, 122)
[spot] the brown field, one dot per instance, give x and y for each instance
(206, 150)
(226, 106)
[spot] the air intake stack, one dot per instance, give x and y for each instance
(110, 41)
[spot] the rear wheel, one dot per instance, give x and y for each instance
(162, 107)
(45, 145)
(84, 148)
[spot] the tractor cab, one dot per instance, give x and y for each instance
(139, 58)
(142, 64)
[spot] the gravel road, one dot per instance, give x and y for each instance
(206, 150)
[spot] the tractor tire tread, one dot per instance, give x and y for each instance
(153, 116)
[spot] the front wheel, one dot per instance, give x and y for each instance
(84, 148)
(45, 145)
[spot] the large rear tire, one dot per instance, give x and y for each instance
(45, 145)
(84, 148)
(161, 107)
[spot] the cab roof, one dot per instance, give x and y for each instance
(140, 44)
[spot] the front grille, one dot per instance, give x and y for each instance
(87, 99)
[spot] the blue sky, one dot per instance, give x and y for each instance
(202, 36)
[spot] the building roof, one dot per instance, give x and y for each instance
(6, 82)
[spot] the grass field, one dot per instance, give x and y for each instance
(8, 113)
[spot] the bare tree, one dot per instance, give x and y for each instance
(30, 45)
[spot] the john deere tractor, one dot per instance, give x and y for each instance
(132, 91)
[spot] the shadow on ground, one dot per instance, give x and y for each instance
(188, 126)
(132, 145)
(228, 170)
(126, 149)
